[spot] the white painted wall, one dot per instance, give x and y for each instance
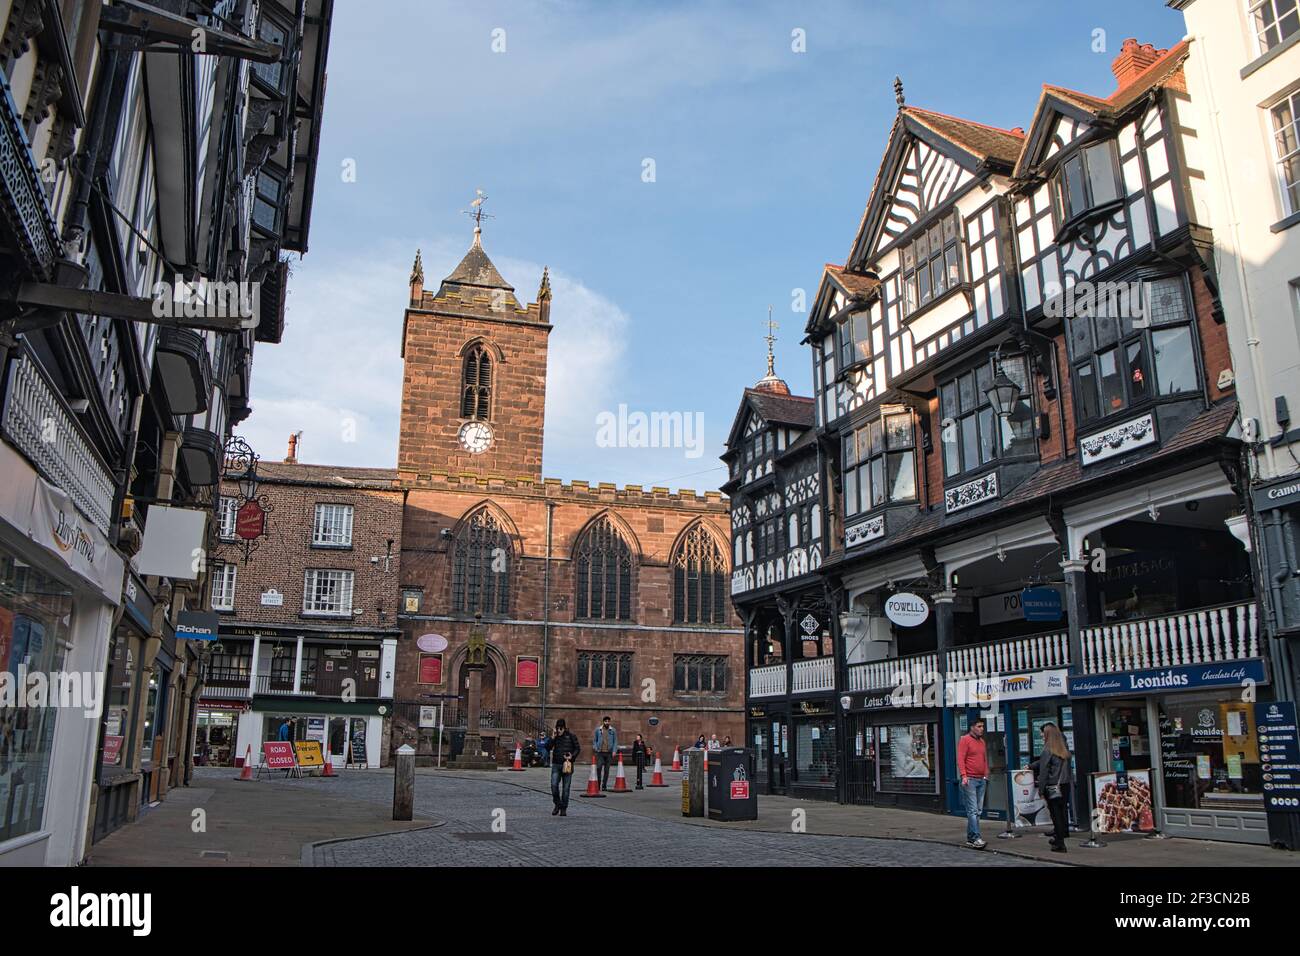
(1258, 269)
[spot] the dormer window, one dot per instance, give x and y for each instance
(855, 339)
(880, 463)
(1088, 181)
(932, 263)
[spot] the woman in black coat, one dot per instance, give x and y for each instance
(1054, 777)
(639, 755)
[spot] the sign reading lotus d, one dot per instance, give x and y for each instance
(197, 626)
(906, 609)
(431, 643)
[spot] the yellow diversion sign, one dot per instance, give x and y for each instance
(309, 753)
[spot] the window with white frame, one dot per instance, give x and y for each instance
(333, 526)
(327, 592)
(1273, 21)
(1286, 139)
(227, 508)
(880, 463)
(223, 587)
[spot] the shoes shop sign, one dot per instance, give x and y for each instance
(906, 609)
(1165, 679)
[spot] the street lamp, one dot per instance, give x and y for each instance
(241, 465)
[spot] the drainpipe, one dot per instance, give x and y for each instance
(546, 609)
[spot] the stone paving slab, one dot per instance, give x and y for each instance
(263, 822)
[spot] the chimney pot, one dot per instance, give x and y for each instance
(1133, 60)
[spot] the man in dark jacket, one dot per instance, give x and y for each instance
(564, 745)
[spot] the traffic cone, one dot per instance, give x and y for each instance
(247, 772)
(329, 769)
(657, 778)
(593, 783)
(620, 781)
(519, 759)
(677, 760)
(706, 762)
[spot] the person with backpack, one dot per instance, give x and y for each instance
(564, 756)
(1054, 777)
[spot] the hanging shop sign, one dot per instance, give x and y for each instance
(197, 625)
(1279, 754)
(906, 609)
(250, 521)
(431, 643)
(1042, 604)
(1163, 679)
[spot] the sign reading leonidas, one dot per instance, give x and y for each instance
(906, 609)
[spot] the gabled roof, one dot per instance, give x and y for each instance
(973, 146)
(796, 410)
(854, 285)
(1165, 72)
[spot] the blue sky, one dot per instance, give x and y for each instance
(763, 160)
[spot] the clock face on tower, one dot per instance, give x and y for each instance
(476, 437)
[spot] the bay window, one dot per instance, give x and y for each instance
(855, 339)
(932, 263)
(1125, 357)
(971, 432)
(1088, 180)
(880, 463)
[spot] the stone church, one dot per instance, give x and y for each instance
(596, 599)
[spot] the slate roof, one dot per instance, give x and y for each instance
(477, 272)
(336, 475)
(978, 139)
(782, 409)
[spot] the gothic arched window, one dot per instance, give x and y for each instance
(476, 384)
(602, 569)
(699, 579)
(481, 565)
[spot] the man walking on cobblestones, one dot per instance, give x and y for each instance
(605, 744)
(564, 755)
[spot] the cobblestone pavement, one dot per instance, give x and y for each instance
(593, 834)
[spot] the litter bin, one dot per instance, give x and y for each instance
(732, 794)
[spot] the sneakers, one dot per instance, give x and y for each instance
(976, 844)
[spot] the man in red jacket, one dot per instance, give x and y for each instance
(973, 768)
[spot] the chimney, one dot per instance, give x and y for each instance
(1133, 60)
(292, 457)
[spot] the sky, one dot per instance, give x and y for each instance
(679, 167)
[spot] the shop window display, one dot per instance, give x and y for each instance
(817, 754)
(908, 758)
(35, 625)
(1210, 754)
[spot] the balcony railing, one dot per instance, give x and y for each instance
(915, 669)
(767, 681)
(38, 422)
(1031, 653)
(329, 684)
(226, 690)
(812, 675)
(1204, 636)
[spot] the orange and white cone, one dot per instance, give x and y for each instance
(706, 761)
(620, 781)
(593, 783)
(677, 759)
(247, 772)
(519, 759)
(329, 768)
(657, 778)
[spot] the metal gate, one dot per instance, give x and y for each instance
(860, 780)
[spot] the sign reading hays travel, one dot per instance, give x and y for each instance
(1156, 680)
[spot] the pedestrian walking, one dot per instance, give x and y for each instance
(605, 743)
(1054, 777)
(564, 754)
(639, 758)
(543, 748)
(973, 767)
(284, 732)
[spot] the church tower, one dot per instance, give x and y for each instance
(474, 377)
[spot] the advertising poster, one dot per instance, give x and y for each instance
(909, 751)
(1123, 806)
(1030, 808)
(316, 729)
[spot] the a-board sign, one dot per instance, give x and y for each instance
(278, 754)
(358, 742)
(309, 753)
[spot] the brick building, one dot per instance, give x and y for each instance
(597, 600)
(315, 606)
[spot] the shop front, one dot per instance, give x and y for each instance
(351, 734)
(59, 583)
(1186, 736)
(768, 733)
(894, 753)
(813, 755)
(216, 730)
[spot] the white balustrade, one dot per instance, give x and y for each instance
(1035, 652)
(767, 681)
(818, 673)
(1203, 636)
(915, 670)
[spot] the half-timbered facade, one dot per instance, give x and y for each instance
(1024, 401)
(777, 538)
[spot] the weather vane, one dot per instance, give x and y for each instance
(475, 211)
(772, 326)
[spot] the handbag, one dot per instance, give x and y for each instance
(1053, 791)
(567, 769)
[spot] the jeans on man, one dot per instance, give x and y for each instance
(560, 784)
(602, 768)
(973, 793)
